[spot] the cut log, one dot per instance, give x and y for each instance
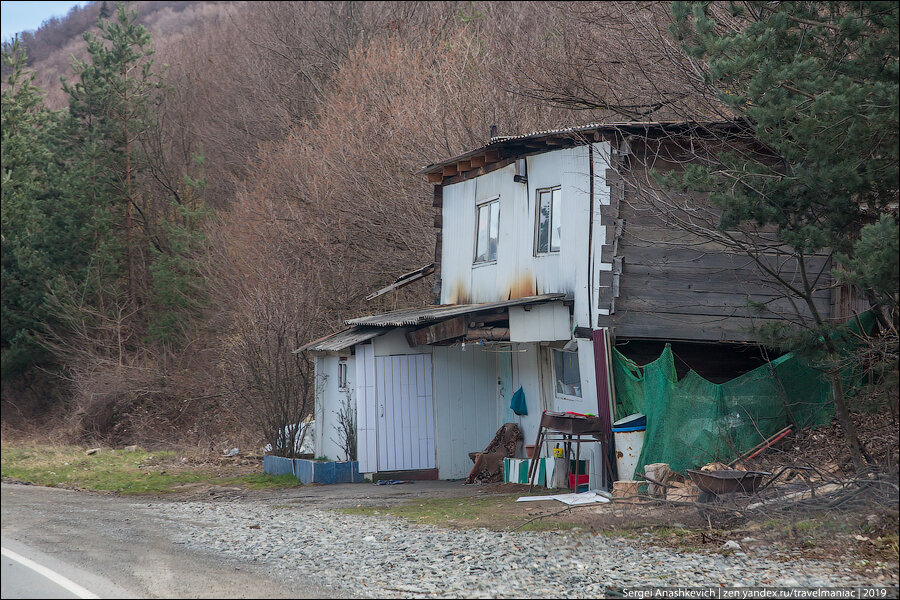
(659, 473)
(625, 488)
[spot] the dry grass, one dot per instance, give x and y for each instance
(130, 471)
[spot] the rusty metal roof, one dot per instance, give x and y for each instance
(341, 340)
(575, 133)
(427, 314)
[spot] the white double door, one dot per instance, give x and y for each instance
(397, 421)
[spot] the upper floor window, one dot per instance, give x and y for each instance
(488, 231)
(549, 214)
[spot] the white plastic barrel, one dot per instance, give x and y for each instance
(629, 441)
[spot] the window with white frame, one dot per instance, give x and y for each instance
(487, 232)
(547, 223)
(566, 376)
(342, 374)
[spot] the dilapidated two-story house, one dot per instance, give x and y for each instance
(545, 258)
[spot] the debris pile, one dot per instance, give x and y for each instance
(488, 464)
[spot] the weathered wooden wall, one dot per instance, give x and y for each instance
(675, 284)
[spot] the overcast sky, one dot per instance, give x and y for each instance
(24, 16)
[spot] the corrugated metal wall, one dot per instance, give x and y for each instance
(465, 399)
(518, 272)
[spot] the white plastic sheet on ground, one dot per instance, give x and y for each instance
(570, 499)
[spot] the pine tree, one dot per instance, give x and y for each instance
(51, 232)
(111, 106)
(816, 85)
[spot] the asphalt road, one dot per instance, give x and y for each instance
(116, 547)
(21, 582)
(28, 573)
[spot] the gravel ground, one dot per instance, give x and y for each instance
(385, 556)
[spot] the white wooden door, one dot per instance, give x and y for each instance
(405, 412)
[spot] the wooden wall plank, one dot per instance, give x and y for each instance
(741, 281)
(685, 327)
(715, 304)
(689, 257)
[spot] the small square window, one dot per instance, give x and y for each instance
(487, 231)
(567, 377)
(342, 374)
(547, 223)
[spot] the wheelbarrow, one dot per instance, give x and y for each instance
(728, 481)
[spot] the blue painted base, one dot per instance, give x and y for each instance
(311, 471)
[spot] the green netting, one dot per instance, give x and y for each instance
(693, 421)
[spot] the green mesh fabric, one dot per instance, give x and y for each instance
(693, 421)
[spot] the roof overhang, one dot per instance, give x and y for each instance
(363, 329)
(502, 149)
(335, 342)
(429, 314)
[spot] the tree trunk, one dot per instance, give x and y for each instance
(129, 241)
(843, 417)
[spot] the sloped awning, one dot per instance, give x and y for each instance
(342, 340)
(429, 314)
(365, 328)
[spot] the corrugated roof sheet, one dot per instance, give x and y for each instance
(426, 314)
(502, 140)
(344, 339)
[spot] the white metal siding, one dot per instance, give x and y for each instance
(517, 272)
(543, 323)
(526, 374)
(458, 248)
(405, 412)
(366, 411)
(329, 402)
(319, 408)
(465, 398)
(394, 343)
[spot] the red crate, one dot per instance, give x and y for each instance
(582, 479)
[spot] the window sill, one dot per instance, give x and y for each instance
(546, 254)
(484, 263)
(569, 398)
